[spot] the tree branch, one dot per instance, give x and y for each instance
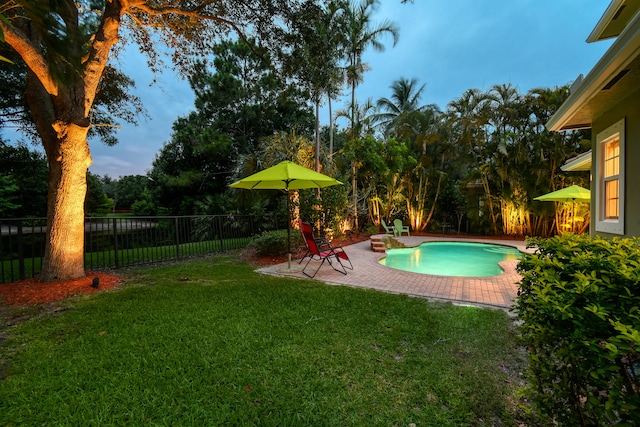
(32, 58)
(144, 7)
(105, 37)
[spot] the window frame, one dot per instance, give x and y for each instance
(603, 224)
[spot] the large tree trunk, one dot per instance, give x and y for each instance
(60, 97)
(62, 123)
(64, 253)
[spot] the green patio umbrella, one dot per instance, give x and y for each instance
(572, 194)
(575, 193)
(286, 176)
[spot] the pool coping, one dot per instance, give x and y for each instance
(494, 291)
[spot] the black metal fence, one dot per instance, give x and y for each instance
(115, 242)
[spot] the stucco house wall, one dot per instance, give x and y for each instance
(629, 109)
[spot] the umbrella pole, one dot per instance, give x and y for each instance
(288, 230)
(288, 268)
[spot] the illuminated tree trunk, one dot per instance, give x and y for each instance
(64, 253)
(60, 103)
(354, 184)
(62, 123)
(487, 192)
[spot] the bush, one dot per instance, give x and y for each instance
(143, 208)
(579, 301)
(326, 212)
(275, 242)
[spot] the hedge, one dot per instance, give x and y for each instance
(274, 243)
(579, 303)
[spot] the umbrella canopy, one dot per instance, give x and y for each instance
(572, 194)
(286, 176)
(575, 193)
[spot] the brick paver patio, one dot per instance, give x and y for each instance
(495, 291)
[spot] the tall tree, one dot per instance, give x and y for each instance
(470, 112)
(28, 170)
(405, 98)
(315, 56)
(129, 189)
(239, 101)
(356, 149)
(66, 46)
(113, 104)
(361, 33)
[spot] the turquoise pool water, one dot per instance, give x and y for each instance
(451, 258)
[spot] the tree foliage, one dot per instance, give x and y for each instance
(239, 102)
(129, 189)
(24, 176)
(96, 202)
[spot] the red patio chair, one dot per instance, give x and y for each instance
(323, 251)
(319, 241)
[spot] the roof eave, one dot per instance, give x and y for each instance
(605, 20)
(619, 55)
(581, 162)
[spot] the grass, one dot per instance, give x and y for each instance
(210, 342)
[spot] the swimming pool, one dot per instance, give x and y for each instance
(451, 258)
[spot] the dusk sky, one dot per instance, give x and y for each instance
(450, 46)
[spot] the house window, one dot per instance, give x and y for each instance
(610, 180)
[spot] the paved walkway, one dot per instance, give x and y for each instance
(495, 291)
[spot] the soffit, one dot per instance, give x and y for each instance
(612, 79)
(582, 162)
(605, 99)
(614, 20)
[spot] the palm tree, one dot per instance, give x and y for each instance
(363, 118)
(315, 56)
(362, 126)
(545, 153)
(503, 99)
(421, 127)
(470, 113)
(405, 98)
(336, 75)
(360, 33)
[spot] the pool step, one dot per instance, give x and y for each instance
(382, 242)
(377, 245)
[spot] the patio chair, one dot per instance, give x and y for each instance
(387, 229)
(319, 241)
(334, 255)
(398, 228)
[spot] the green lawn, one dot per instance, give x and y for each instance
(210, 342)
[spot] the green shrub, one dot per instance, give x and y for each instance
(143, 208)
(275, 242)
(371, 229)
(579, 301)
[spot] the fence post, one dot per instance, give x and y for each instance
(115, 242)
(21, 269)
(220, 219)
(177, 238)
